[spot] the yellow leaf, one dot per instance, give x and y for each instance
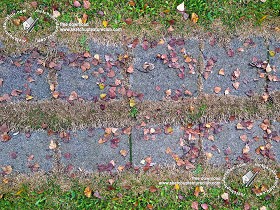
(88, 192)
(132, 102)
(105, 23)
(103, 95)
(29, 97)
(272, 53)
(101, 86)
(262, 19)
(123, 152)
(19, 192)
(176, 187)
(194, 18)
(84, 18)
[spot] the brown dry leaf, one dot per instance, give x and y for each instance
(170, 29)
(88, 192)
(222, 72)
(5, 180)
(246, 149)
(16, 21)
(161, 42)
(239, 126)
(52, 87)
(188, 59)
(194, 17)
(236, 74)
(128, 21)
(5, 137)
(209, 155)
(7, 169)
(1, 82)
(131, 3)
(153, 189)
(168, 92)
(150, 206)
(73, 96)
(225, 196)
(168, 150)
(123, 152)
(85, 66)
(217, 89)
(121, 168)
(236, 85)
(53, 145)
(55, 94)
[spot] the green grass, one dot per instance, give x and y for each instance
(133, 112)
(230, 12)
(51, 195)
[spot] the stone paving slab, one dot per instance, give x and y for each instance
(27, 155)
(228, 141)
(86, 84)
(238, 55)
(84, 150)
(155, 145)
(176, 78)
(274, 84)
(23, 78)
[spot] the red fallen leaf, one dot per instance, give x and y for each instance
(67, 155)
(86, 4)
(111, 73)
(189, 165)
(157, 88)
(87, 55)
(264, 126)
(39, 71)
(34, 4)
(204, 206)
(114, 143)
(112, 92)
(149, 206)
(77, 4)
(228, 151)
(230, 53)
(244, 137)
(102, 167)
(247, 206)
(145, 45)
(128, 21)
(130, 69)
(85, 66)
(231, 118)
(52, 64)
(212, 41)
(135, 42)
(194, 205)
(236, 85)
(129, 93)
(73, 96)
(5, 137)
(146, 167)
(235, 75)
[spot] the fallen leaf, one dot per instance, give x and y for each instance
(131, 3)
(217, 89)
(84, 18)
(85, 76)
(243, 137)
(204, 206)
(132, 102)
(168, 92)
(56, 13)
(7, 169)
(88, 192)
(268, 68)
(181, 7)
(246, 149)
(16, 21)
(55, 94)
(128, 21)
(5, 137)
(239, 126)
(208, 155)
(53, 145)
(39, 71)
(149, 206)
(29, 97)
(103, 95)
(236, 85)
(123, 152)
(176, 186)
(194, 17)
(73, 96)
(153, 189)
(225, 196)
(130, 69)
(194, 205)
(222, 72)
(86, 4)
(198, 189)
(105, 23)
(77, 4)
